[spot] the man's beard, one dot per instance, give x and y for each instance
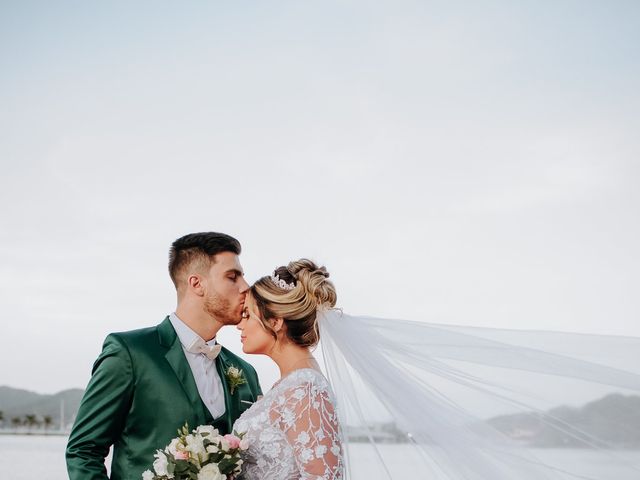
(220, 308)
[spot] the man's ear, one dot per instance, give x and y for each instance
(194, 282)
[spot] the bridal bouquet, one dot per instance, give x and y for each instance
(203, 454)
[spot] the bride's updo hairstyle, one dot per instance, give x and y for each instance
(295, 295)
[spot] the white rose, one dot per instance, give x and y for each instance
(244, 444)
(233, 372)
(210, 472)
(212, 449)
(195, 445)
(224, 445)
(161, 465)
(213, 432)
(172, 448)
(147, 475)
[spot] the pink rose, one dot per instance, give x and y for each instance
(232, 440)
(180, 455)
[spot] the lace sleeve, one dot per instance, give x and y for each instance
(309, 421)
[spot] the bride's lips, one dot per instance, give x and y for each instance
(242, 338)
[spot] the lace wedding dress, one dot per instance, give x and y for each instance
(293, 431)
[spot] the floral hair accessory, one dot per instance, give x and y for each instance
(281, 283)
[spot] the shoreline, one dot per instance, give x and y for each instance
(36, 434)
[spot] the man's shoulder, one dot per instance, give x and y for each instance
(137, 333)
(139, 337)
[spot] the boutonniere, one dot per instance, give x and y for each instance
(235, 378)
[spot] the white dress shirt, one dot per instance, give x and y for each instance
(203, 369)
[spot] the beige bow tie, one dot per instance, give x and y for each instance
(198, 346)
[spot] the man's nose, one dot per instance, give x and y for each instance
(244, 286)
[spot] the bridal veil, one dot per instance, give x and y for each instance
(444, 402)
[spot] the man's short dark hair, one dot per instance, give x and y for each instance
(200, 247)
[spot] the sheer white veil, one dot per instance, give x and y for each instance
(467, 403)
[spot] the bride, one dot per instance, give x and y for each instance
(293, 431)
(424, 400)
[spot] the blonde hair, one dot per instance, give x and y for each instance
(297, 306)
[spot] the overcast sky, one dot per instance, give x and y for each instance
(447, 161)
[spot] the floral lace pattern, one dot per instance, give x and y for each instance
(293, 431)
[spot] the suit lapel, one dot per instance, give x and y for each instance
(175, 357)
(230, 401)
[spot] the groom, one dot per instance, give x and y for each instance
(148, 383)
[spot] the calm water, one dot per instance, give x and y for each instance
(42, 458)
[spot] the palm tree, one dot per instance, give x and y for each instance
(48, 421)
(16, 422)
(30, 421)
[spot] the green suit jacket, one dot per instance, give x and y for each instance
(141, 391)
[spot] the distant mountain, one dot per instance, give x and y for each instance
(15, 402)
(614, 419)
